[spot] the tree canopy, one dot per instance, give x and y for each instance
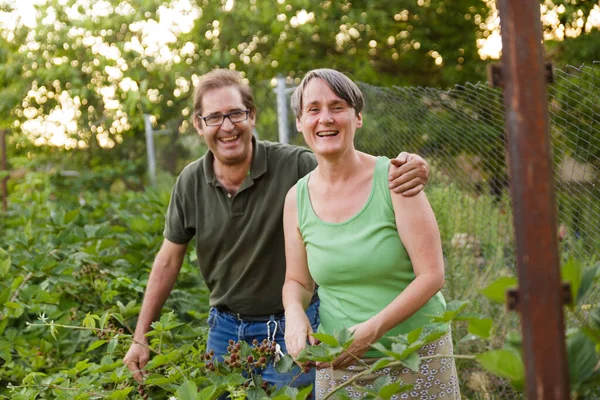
(85, 73)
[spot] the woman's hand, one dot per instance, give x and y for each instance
(364, 336)
(297, 331)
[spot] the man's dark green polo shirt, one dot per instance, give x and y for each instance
(239, 238)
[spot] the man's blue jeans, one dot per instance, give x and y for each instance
(223, 327)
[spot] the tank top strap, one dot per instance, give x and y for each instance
(303, 201)
(380, 180)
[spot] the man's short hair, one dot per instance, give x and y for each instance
(340, 84)
(220, 78)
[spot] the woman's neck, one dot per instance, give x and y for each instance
(339, 168)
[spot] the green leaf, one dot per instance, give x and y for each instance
(157, 361)
(481, 327)
(285, 364)
(256, 393)
(89, 321)
(496, 291)
(234, 380)
(95, 345)
(514, 341)
(412, 362)
(345, 338)
(70, 216)
(414, 335)
(587, 281)
(157, 379)
(4, 262)
(187, 391)
(380, 364)
(582, 358)
(453, 309)
(381, 382)
(304, 393)
(82, 366)
(506, 364)
(139, 224)
(118, 317)
(291, 392)
(112, 345)
(118, 394)
(388, 391)
(325, 338)
(315, 353)
(103, 320)
(594, 319)
(207, 393)
(5, 351)
(572, 272)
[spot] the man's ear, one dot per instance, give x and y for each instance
(198, 125)
(298, 124)
(359, 120)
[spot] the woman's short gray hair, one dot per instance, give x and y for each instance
(340, 84)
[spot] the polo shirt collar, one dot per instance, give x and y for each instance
(257, 168)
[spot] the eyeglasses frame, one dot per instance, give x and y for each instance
(228, 116)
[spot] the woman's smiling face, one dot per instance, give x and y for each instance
(327, 122)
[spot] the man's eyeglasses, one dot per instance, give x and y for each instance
(234, 116)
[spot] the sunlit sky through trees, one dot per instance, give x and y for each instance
(155, 39)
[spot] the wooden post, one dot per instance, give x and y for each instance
(540, 296)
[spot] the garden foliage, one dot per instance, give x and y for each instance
(74, 263)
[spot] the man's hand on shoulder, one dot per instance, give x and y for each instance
(408, 174)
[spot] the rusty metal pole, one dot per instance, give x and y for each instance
(3, 168)
(540, 300)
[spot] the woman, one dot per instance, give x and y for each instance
(375, 255)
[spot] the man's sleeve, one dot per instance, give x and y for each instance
(179, 226)
(306, 162)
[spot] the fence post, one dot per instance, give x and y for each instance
(540, 300)
(150, 149)
(3, 168)
(282, 110)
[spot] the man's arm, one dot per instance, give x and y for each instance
(408, 174)
(162, 278)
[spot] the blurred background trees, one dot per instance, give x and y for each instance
(77, 77)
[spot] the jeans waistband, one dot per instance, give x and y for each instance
(256, 318)
(250, 318)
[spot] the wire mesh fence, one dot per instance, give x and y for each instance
(461, 133)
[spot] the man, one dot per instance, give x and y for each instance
(231, 200)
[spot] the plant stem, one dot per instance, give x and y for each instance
(85, 328)
(16, 293)
(57, 387)
(392, 364)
